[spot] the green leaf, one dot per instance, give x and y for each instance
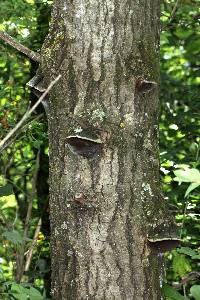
(181, 265)
(183, 34)
(195, 291)
(34, 294)
(13, 236)
(197, 256)
(191, 187)
(21, 293)
(18, 292)
(187, 251)
(171, 293)
(189, 175)
(6, 190)
(19, 296)
(37, 144)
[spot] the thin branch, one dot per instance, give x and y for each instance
(172, 15)
(9, 40)
(184, 216)
(4, 220)
(27, 114)
(189, 277)
(174, 11)
(20, 253)
(16, 216)
(29, 253)
(29, 209)
(198, 150)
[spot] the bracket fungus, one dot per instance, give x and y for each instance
(163, 237)
(85, 146)
(162, 245)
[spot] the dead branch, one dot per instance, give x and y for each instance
(172, 15)
(29, 253)
(9, 40)
(29, 210)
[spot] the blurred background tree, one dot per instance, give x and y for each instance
(24, 164)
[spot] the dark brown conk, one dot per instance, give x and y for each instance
(84, 146)
(163, 236)
(163, 244)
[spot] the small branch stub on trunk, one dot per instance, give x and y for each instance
(38, 87)
(37, 83)
(144, 86)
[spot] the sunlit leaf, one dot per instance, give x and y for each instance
(181, 265)
(191, 187)
(189, 175)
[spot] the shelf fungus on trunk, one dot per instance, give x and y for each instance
(163, 238)
(84, 145)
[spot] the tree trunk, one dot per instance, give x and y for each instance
(108, 215)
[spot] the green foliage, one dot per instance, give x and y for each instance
(187, 251)
(19, 292)
(179, 137)
(188, 175)
(26, 21)
(195, 291)
(13, 236)
(181, 265)
(6, 190)
(170, 293)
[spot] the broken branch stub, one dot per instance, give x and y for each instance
(144, 86)
(37, 86)
(37, 83)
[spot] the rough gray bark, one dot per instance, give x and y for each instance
(105, 195)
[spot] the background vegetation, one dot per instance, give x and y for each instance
(24, 222)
